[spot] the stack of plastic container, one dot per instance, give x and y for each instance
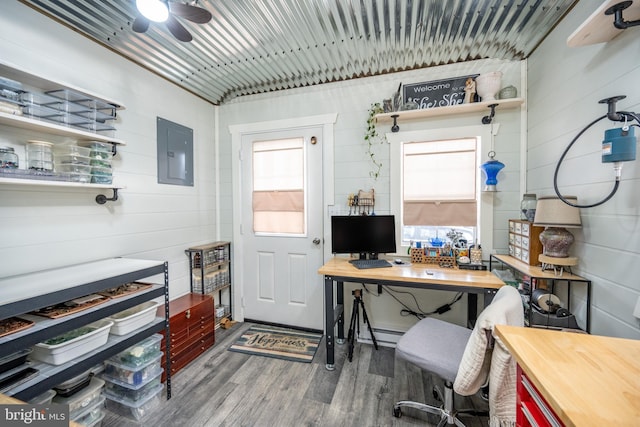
(85, 405)
(72, 160)
(132, 378)
(100, 160)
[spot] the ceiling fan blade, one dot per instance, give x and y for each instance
(178, 30)
(192, 13)
(140, 24)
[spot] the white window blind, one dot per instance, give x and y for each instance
(439, 182)
(278, 186)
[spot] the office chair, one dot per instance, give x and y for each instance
(460, 355)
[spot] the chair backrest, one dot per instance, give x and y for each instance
(505, 309)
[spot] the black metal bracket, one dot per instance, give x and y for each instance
(101, 199)
(619, 21)
(395, 127)
(114, 149)
(488, 119)
(611, 110)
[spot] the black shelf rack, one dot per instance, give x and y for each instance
(25, 293)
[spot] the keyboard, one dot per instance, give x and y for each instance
(370, 263)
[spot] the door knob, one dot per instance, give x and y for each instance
(316, 241)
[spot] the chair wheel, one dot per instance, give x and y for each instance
(397, 412)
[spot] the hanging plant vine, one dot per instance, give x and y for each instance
(372, 136)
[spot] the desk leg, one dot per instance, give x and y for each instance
(340, 303)
(472, 306)
(472, 309)
(329, 323)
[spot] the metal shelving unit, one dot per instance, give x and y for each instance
(536, 278)
(210, 267)
(25, 293)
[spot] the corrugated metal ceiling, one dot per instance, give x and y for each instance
(255, 46)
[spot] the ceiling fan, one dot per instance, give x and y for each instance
(167, 11)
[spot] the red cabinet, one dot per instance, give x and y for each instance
(192, 329)
(532, 410)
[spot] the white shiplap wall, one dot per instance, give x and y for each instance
(46, 228)
(350, 100)
(565, 85)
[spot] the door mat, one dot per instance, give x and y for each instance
(287, 344)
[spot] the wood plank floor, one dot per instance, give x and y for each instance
(224, 388)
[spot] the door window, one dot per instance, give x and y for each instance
(278, 198)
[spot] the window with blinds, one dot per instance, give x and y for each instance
(278, 186)
(439, 188)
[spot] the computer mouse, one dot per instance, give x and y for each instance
(398, 261)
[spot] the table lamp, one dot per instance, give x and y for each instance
(556, 216)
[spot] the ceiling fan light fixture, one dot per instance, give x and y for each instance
(153, 10)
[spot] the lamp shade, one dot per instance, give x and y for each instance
(551, 211)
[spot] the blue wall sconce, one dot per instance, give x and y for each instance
(491, 168)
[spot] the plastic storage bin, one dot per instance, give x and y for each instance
(91, 337)
(43, 399)
(77, 383)
(73, 168)
(136, 410)
(134, 393)
(72, 159)
(101, 175)
(82, 400)
(133, 318)
(141, 353)
(131, 374)
(90, 415)
(72, 150)
(39, 155)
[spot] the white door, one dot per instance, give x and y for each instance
(281, 231)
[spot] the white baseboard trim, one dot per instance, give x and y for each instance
(384, 337)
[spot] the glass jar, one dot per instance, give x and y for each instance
(8, 158)
(528, 207)
(40, 155)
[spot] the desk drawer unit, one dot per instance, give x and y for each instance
(524, 241)
(192, 326)
(532, 410)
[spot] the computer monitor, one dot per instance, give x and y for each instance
(365, 235)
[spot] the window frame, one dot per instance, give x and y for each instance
(485, 200)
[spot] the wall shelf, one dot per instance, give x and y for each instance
(28, 123)
(425, 113)
(599, 28)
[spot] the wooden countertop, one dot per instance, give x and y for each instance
(588, 380)
(417, 273)
(8, 400)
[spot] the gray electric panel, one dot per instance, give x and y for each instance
(175, 153)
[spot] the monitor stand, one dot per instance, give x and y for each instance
(368, 255)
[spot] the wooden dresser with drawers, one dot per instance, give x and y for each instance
(192, 329)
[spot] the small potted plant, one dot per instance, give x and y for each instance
(372, 136)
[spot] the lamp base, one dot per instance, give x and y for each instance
(558, 265)
(556, 242)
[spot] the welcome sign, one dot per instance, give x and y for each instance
(437, 93)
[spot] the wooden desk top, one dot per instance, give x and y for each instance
(588, 380)
(416, 273)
